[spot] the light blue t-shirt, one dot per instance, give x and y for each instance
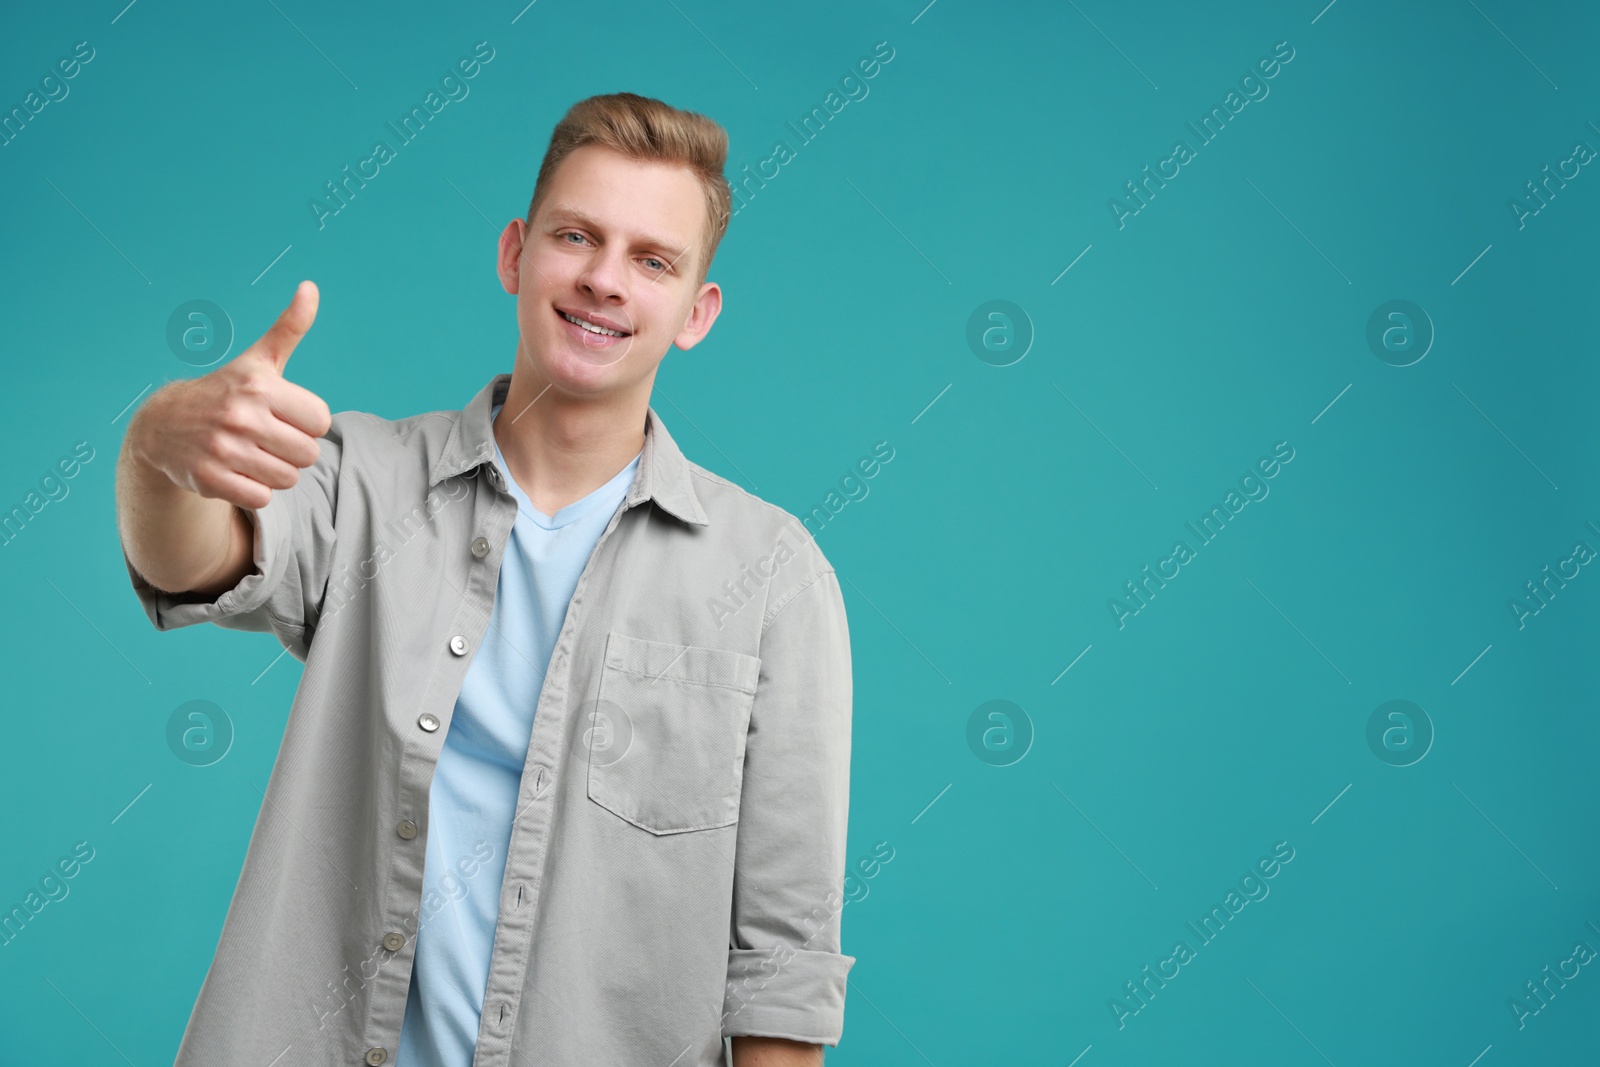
(473, 796)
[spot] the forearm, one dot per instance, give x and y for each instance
(775, 1052)
(177, 540)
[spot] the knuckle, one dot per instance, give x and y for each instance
(215, 442)
(271, 476)
(255, 381)
(207, 480)
(234, 414)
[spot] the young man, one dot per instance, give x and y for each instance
(565, 781)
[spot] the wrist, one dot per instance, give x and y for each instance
(137, 441)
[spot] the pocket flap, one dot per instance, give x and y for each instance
(660, 660)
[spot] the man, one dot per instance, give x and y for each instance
(565, 781)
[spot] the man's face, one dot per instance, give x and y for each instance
(618, 240)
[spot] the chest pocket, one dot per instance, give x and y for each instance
(673, 754)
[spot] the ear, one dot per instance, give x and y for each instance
(707, 306)
(509, 261)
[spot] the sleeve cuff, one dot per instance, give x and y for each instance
(786, 992)
(168, 611)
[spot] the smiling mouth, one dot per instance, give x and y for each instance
(599, 331)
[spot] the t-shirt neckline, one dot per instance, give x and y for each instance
(574, 511)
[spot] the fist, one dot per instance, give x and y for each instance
(243, 430)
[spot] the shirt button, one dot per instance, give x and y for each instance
(458, 645)
(407, 829)
(480, 546)
(376, 1056)
(428, 721)
(394, 942)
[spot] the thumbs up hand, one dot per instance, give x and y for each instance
(278, 343)
(243, 430)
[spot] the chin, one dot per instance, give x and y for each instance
(570, 372)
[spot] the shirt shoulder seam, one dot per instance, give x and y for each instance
(788, 598)
(788, 520)
(700, 472)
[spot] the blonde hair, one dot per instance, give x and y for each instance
(646, 129)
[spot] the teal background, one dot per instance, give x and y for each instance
(1229, 314)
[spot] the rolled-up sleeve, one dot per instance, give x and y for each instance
(786, 974)
(293, 552)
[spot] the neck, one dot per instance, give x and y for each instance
(561, 448)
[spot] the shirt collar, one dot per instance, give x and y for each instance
(663, 473)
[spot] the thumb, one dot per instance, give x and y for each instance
(279, 341)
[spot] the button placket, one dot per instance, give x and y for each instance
(518, 861)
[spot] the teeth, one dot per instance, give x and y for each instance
(591, 327)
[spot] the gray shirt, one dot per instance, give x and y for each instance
(676, 861)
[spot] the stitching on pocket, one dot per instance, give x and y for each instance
(676, 678)
(688, 663)
(687, 709)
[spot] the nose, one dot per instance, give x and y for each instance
(603, 277)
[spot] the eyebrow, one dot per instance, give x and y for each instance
(562, 212)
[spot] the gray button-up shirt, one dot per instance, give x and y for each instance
(676, 861)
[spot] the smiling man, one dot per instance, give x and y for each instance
(540, 800)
